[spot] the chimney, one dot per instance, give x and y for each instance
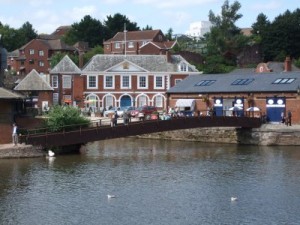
(287, 64)
(168, 55)
(80, 60)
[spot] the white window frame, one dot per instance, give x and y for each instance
(162, 82)
(31, 51)
(130, 44)
(66, 81)
(88, 82)
(112, 82)
(109, 101)
(183, 67)
(139, 82)
(41, 53)
(118, 45)
(159, 101)
(55, 98)
(122, 82)
(54, 81)
(41, 63)
(142, 100)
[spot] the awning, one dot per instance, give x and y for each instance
(185, 103)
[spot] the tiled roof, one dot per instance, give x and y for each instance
(7, 94)
(66, 65)
(153, 63)
(53, 44)
(33, 82)
(262, 82)
(135, 35)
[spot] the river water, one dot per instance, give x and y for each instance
(154, 182)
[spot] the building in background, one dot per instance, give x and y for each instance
(198, 29)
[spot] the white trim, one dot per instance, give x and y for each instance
(67, 85)
(104, 82)
(122, 76)
(146, 81)
(88, 82)
(56, 86)
(163, 82)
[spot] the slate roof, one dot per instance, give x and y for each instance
(152, 63)
(33, 82)
(7, 94)
(67, 66)
(262, 82)
(135, 35)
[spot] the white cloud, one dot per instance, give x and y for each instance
(267, 6)
(77, 13)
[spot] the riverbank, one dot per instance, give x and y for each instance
(267, 134)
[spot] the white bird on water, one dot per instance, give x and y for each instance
(233, 199)
(110, 196)
(51, 153)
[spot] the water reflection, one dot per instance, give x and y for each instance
(156, 182)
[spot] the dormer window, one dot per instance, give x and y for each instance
(183, 67)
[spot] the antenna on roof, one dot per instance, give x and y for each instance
(125, 31)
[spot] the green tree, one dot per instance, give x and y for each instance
(114, 24)
(65, 117)
(169, 34)
(88, 29)
(94, 51)
(57, 57)
(224, 41)
(147, 28)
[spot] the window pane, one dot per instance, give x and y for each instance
(108, 101)
(55, 81)
(125, 81)
(142, 81)
(67, 81)
(159, 82)
(108, 81)
(159, 101)
(142, 101)
(92, 81)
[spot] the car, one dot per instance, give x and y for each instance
(143, 111)
(113, 110)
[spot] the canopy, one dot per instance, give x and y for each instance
(253, 109)
(181, 103)
(235, 108)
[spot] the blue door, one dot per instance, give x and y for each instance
(218, 106)
(125, 101)
(275, 106)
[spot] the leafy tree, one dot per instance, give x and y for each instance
(147, 28)
(88, 29)
(224, 39)
(65, 116)
(27, 33)
(169, 34)
(94, 51)
(114, 24)
(57, 57)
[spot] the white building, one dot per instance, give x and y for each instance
(198, 29)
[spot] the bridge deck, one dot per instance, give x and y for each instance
(95, 132)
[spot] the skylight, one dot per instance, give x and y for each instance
(205, 83)
(242, 81)
(284, 80)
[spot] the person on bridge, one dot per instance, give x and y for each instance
(289, 118)
(15, 134)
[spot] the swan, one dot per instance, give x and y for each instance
(51, 153)
(233, 199)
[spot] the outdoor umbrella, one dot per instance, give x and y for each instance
(253, 109)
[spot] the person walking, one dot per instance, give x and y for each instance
(289, 118)
(15, 134)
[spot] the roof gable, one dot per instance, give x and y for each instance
(135, 35)
(126, 66)
(33, 82)
(66, 65)
(7, 94)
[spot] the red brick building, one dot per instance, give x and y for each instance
(148, 42)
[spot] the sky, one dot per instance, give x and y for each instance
(47, 15)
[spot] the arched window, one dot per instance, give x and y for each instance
(159, 101)
(142, 100)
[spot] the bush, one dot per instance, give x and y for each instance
(65, 117)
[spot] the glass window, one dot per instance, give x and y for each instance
(41, 63)
(108, 82)
(55, 81)
(158, 82)
(142, 101)
(142, 82)
(55, 98)
(125, 81)
(109, 101)
(284, 81)
(117, 45)
(205, 83)
(183, 67)
(41, 53)
(177, 81)
(242, 81)
(159, 101)
(130, 44)
(31, 51)
(92, 82)
(67, 80)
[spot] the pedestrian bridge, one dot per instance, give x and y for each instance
(97, 131)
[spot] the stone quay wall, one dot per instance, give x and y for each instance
(266, 135)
